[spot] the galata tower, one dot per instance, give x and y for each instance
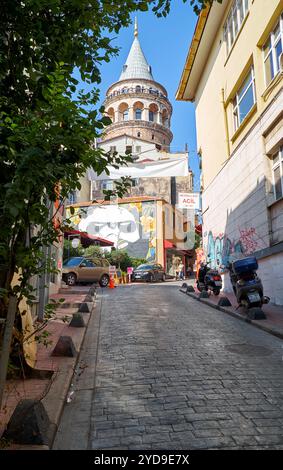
(138, 105)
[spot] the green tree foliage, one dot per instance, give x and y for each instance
(47, 122)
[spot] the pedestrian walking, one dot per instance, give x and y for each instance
(181, 271)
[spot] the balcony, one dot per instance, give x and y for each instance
(138, 92)
(152, 126)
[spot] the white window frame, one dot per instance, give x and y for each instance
(278, 164)
(107, 185)
(274, 42)
(238, 100)
(232, 30)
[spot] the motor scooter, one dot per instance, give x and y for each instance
(247, 286)
(209, 279)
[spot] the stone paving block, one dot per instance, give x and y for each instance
(105, 443)
(209, 432)
(166, 378)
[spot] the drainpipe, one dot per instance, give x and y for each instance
(226, 124)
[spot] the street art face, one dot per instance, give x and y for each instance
(113, 223)
(129, 226)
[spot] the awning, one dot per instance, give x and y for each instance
(168, 244)
(87, 239)
(161, 168)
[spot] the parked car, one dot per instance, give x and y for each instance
(149, 273)
(81, 269)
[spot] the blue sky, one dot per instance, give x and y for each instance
(165, 43)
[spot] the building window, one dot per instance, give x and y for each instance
(151, 116)
(112, 149)
(234, 22)
(277, 174)
(107, 185)
(138, 149)
(72, 198)
(138, 113)
(126, 115)
(245, 99)
(152, 136)
(272, 50)
(135, 182)
(138, 134)
(129, 150)
(138, 89)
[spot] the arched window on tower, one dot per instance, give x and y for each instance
(111, 114)
(138, 110)
(138, 89)
(165, 118)
(138, 113)
(152, 112)
(123, 112)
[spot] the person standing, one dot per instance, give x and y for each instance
(181, 270)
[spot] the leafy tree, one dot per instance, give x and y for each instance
(48, 125)
(93, 251)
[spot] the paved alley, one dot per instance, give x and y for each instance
(160, 370)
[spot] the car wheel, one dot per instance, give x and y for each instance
(71, 279)
(163, 277)
(104, 280)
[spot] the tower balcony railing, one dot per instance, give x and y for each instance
(138, 92)
(141, 124)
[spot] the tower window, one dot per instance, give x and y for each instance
(138, 134)
(138, 113)
(151, 116)
(126, 115)
(152, 136)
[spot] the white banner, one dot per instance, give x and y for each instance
(171, 167)
(188, 201)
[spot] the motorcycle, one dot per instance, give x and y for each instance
(209, 279)
(246, 284)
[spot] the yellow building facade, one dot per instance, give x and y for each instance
(234, 74)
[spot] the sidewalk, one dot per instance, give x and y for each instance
(59, 370)
(274, 314)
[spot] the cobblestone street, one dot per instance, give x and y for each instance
(166, 372)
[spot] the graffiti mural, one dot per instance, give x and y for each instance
(131, 227)
(221, 250)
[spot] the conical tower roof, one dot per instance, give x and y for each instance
(136, 65)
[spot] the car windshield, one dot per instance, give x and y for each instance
(143, 267)
(73, 262)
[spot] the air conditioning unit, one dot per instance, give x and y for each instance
(281, 62)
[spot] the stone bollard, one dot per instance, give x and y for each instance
(84, 308)
(256, 313)
(77, 320)
(190, 289)
(64, 347)
(203, 295)
(29, 424)
(224, 302)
